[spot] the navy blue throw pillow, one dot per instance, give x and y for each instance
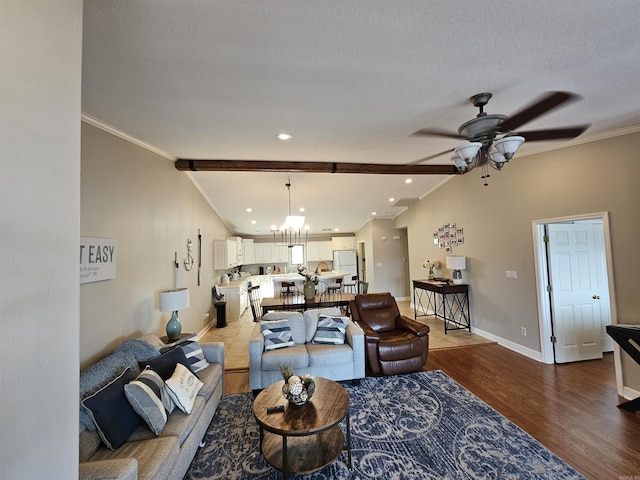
(165, 364)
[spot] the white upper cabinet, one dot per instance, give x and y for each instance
(248, 252)
(262, 252)
(319, 251)
(343, 243)
(225, 254)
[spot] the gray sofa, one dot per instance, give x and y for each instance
(145, 455)
(335, 362)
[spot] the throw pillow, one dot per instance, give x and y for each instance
(277, 334)
(114, 417)
(165, 364)
(183, 387)
(331, 330)
(147, 396)
(193, 352)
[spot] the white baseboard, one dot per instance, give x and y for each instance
(630, 393)
(522, 350)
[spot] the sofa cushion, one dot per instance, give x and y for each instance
(311, 320)
(113, 415)
(210, 377)
(156, 457)
(193, 352)
(277, 334)
(331, 330)
(165, 364)
(183, 386)
(96, 376)
(296, 324)
(89, 443)
(322, 355)
(147, 396)
(297, 356)
(179, 424)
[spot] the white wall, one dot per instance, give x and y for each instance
(497, 220)
(139, 199)
(40, 64)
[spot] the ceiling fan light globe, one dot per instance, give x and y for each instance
(508, 146)
(496, 159)
(460, 164)
(468, 151)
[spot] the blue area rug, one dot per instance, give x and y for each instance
(417, 426)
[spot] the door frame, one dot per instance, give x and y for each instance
(542, 280)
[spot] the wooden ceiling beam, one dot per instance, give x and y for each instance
(311, 167)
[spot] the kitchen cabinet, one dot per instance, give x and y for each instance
(262, 252)
(237, 299)
(279, 254)
(319, 251)
(343, 243)
(225, 254)
(265, 283)
(248, 251)
(239, 249)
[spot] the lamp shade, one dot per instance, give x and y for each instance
(508, 146)
(468, 151)
(456, 262)
(174, 300)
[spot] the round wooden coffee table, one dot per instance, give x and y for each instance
(306, 438)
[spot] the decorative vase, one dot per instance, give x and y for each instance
(299, 396)
(309, 290)
(430, 273)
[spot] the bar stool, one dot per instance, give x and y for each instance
(351, 286)
(288, 289)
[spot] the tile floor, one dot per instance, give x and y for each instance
(236, 335)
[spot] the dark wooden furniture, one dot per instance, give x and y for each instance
(628, 337)
(447, 302)
(306, 438)
(165, 339)
(394, 343)
(298, 303)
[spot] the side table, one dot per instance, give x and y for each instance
(305, 438)
(453, 307)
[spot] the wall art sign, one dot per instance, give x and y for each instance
(448, 236)
(97, 259)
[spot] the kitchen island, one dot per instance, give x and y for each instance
(327, 277)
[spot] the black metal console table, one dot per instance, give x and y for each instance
(628, 337)
(448, 302)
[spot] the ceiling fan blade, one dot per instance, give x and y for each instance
(425, 159)
(554, 133)
(547, 103)
(432, 132)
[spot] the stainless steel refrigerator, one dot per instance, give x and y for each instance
(346, 260)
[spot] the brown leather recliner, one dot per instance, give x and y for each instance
(394, 343)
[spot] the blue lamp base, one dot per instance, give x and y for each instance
(457, 277)
(174, 327)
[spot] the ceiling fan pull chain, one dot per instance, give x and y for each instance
(485, 174)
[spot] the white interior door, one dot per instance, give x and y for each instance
(579, 290)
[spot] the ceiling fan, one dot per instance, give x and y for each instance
(493, 139)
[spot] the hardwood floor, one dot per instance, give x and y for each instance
(569, 408)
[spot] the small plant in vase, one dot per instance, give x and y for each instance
(296, 389)
(310, 283)
(432, 265)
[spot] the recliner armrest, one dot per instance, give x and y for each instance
(413, 326)
(370, 335)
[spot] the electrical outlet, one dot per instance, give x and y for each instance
(511, 274)
(523, 330)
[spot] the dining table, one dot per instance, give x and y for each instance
(299, 303)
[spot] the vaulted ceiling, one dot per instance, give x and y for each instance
(351, 81)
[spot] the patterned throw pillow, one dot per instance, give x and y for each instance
(193, 352)
(113, 415)
(183, 387)
(331, 330)
(277, 334)
(147, 396)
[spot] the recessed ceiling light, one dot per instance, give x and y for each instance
(392, 199)
(408, 180)
(284, 136)
(253, 222)
(249, 210)
(301, 209)
(336, 229)
(373, 213)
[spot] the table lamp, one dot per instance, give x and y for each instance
(456, 264)
(172, 301)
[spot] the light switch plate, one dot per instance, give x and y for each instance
(511, 274)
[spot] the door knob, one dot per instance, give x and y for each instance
(596, 297)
